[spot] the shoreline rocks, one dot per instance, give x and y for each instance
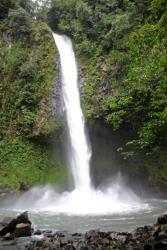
(17, 227)
(152, 237)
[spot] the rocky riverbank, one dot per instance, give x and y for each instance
(18, 234)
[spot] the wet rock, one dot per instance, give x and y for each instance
(122, 238)
(61, 233)
(69, 246)
(161, 235)
(57, 245)
(9, 236)
(160, 246)
(23, 218)
(10, 227)
(104, 234)
(143, 238)
(22, 229)
(24, 187)
(164, 241)
(49, 235)
(156, 230)
(105, 242)
(81, 245)
(64, 242)
(76, 234)
(165, 228)
(92, 234)
(118, 236)
(162, 219)
(38, 232)
(38, 243)
(148, 247)
(44, 244)
(47, 231)
(113, 236)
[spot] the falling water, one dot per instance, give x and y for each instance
(79, 151)
(114, 198)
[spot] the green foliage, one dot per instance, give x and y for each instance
(123, 52)
(158, 7)
(24, 76)
(52, 125)
(5, 6)
(20, 23)
(129, 79)
(27, 70)
(92, 21)
(157, 168)
(60, 14)
(24, 161)
(122, 48)
(153, 131)
(28, 6)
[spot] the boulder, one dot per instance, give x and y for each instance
(11, 226)
(81, 245)
(23, 218)
(8, 228)
(162, 219)
(38, 232)
(92, 234)
(22, 229)
(9, 236)
(24, 187)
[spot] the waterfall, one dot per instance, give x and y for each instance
(115, 197)
(80, 153)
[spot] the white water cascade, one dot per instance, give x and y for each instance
(80, 153)
(114, 198)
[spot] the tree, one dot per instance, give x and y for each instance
(28, 6)
(41, 8)
(20, 23)
(5, 6)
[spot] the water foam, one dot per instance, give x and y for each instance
(114, 199)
